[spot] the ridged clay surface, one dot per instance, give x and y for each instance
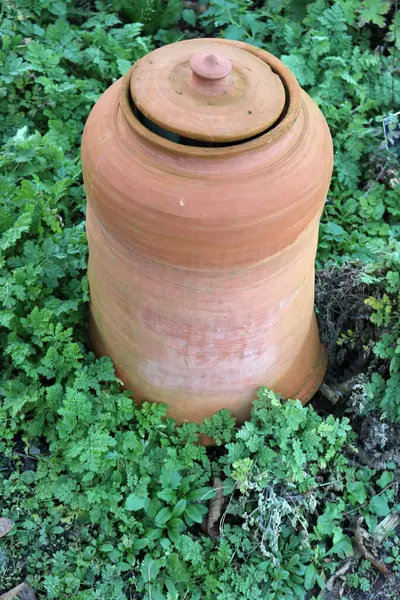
(201, 264)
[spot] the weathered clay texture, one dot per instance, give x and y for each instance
(201, 263)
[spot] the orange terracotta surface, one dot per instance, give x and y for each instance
(201, 264)
(205, 93)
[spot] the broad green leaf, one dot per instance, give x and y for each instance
(357, 492)
(134, 503)
(385, 479)
(194, 513)
(157, 593)
(170, 478)
(310, 577)
(342, 548)
(165, 543)
(123, 65)
(189, 16)
(173, 592)
(168, 495)
(379, 505)
(204, 493)
(372, 522)
(178, 508)
(155, 534)
(140, 543)
(334, 229)
(149, 568)
(293, 561)
(174, 536)
(162, 517)
(175, 523)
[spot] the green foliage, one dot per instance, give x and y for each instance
(52, 71)
(153, 14)
(384, 271)
(110, 500)
(393, 558)
(120, 491)
(329, 49)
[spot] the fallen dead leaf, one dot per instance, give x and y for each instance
(22, 591)
(359, 540)
(196, 6)
(215, 509)
(389, 524)
(5, 526)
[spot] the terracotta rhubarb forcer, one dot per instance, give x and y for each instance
(206, 170)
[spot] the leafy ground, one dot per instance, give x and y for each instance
(112, 502)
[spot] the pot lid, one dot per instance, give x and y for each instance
(207, 90)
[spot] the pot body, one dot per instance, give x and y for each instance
(201, 260)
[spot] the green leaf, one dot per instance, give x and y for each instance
(178, 508)
(204, 493)
(293, 561)
(379, 505)
(299, 67)
(174, 536)
(297, 589)
(57, 530)
(155, 534)
(173, 592)
(235, 32)
(89, 552)
(162, 517)
(385, 479)
(157, 594)
(175, 523)
(28, 476)
(139, 544)
(123, 65)
(134, 503)
(149, 568)
(334, 229)
(310, 577)
(165, 543)
(342, 548)
(357, 492)
(170, 478)
(107, 548)
(374, 11)
(194, 513)
(321, 581)
(372, 522)
(189, 16)
(168, 495)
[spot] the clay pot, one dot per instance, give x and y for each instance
(206, 169)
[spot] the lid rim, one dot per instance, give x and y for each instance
(233, 108)
(293, 94)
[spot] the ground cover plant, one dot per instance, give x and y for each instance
(109, 501)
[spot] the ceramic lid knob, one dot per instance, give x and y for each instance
(210, 66)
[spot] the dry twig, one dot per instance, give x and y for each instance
(332, 396)
(342, 571)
